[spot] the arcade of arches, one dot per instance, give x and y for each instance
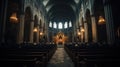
(40, 16)
(37, 22)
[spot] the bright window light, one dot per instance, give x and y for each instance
(65, 25)
(54, 25)
(60, 26)
(70, 24)
(50, 24)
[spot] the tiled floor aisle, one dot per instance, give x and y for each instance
(60, 59)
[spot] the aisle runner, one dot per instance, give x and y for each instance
(60, 59)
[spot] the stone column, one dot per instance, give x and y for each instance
(86, 31)
(109, 21)
(37, 35)
(21, 29)
(41, 36)
(94, 29)
(31, 31)
(4, 7)
(69, 39)
(52, 31)
(82, 34)
(47, 33)
(68, 31)
(74, 33)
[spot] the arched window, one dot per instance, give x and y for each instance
(54, 25)
(60, 26)
(50, 24)
(70, 24)
(66, 25)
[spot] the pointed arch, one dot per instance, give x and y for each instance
(27, 21)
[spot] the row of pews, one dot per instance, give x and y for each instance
(26, 54)
(94, 54)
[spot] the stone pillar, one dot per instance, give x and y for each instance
(69, 39)
(94, 29)
(86, 31)
(21, 29)
(4, 7)
(82, 34)
(52, 31)
(109, 22)
(47, 33)
(41, 37)
(31, 31)
(37, 35)
(73, 34)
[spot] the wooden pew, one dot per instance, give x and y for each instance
(27, 56)
(94, 57)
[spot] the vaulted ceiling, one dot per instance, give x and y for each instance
(60, 10)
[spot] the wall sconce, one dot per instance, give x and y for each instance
(101, 20)
(79, 33)
(13, 18)
(35, 29)
(41, 33)
(82, 30)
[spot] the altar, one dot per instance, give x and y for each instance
(60, 38)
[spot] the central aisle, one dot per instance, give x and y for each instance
(60, 59)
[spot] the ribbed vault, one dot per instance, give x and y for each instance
(60, 10)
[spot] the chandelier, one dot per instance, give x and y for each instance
(101, 20)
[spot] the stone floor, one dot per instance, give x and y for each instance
(60, 59)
